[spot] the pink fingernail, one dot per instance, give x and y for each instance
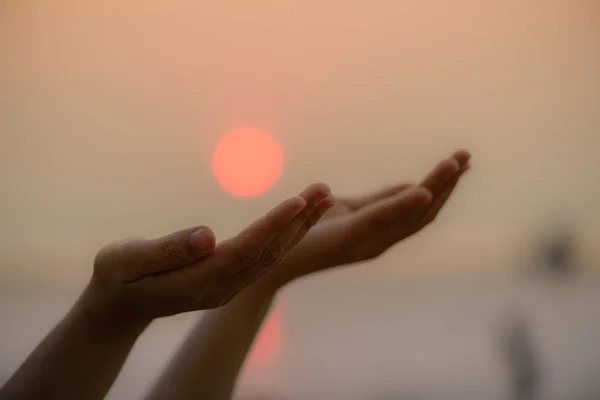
(200, 239)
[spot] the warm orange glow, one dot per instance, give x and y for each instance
(270, 341)
(247, 162)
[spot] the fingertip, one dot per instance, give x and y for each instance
(286, 210)
(202, 238)
(462, 156)
(326, 203)
(315, 193)
(319, 187)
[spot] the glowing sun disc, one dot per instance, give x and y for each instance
(247, 162)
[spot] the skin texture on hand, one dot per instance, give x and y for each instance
(136, 281)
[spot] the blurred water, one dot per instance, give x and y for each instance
(426, 338)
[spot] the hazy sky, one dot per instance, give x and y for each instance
(111, 111)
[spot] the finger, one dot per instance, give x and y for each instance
(318, 212)
(463, 157)
(439, 202)
(247, 276)
(251, 247)
(355, 204)
(177, 250)
(382, 214)
(422, 215)
(266, 228)
(436, 181)
(316, 196)
(238, 253)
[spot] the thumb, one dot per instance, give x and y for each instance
(176, 250)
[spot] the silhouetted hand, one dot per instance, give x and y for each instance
(363, 228)
(185, 271)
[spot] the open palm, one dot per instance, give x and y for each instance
(359, 229)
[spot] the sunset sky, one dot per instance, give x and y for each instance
(112, 111)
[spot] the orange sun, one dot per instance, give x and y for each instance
(247, 162)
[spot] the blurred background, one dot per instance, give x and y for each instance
(111, 111)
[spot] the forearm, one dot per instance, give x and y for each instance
(208, 363)
(79, 359)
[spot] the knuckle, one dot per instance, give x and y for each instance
(111, 259)
(101, 257)
(107, 254)
(116, 254)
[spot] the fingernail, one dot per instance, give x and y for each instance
(326, 198)
(329, 199)
(200, 239)
(326, 204)
(321, 197)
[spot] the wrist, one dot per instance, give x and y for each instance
(96, 313)
(266, 286)
(293, 267)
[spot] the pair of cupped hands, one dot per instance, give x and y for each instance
(139, 280)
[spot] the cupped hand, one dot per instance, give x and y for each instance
(363, 228)
(186, 270)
